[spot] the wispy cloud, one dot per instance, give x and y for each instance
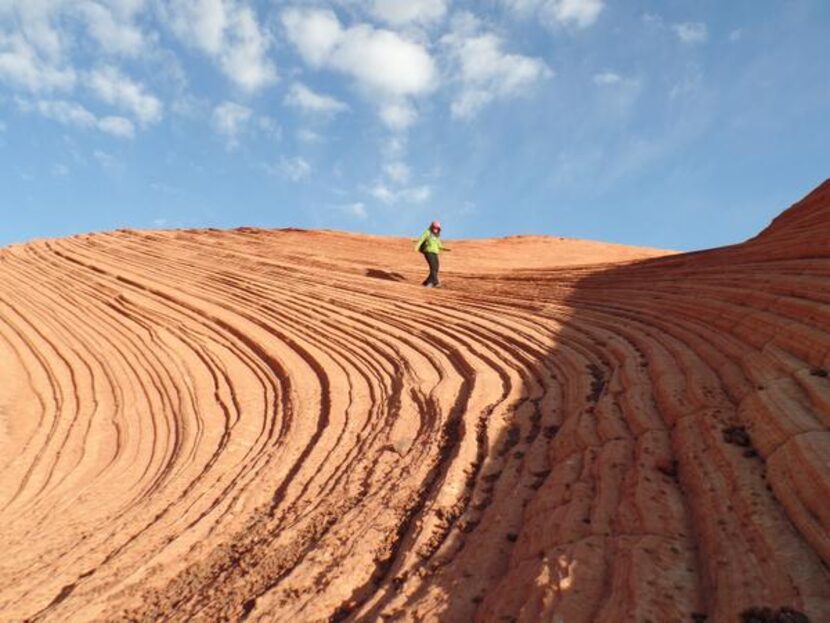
(404, 12)
(691, 32)
(579, 13)
(398, 115)
(607, 78)
(569, 13)
(230, 120)
(386, 194)
(304, 135)
(295, 169)
(117, 126)
(302, 97)
(355, 210)
(114, 27)
(228, 32)
(23, 66)
(73, 114)
(109, 162)
(117, 89)
(398, 172)
(617, 94)
(484, 71)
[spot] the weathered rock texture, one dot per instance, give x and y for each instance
(282, 426)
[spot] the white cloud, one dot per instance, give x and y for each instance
(229, 33)
(300, 96)
(188, 105)
(736, 35)
(569, 13)
(691, 32)
(617, 94)
(117, 126)
(398, 172)
(385, 62)
(269, 127)
(607, 78)
(383, 193)
(113, 87)
(111, 23)
(485, 72)
(199, 23)
(398, 115)
(315, 33)
(108, 161)
(394, 146)
(62, 111)
(380, 60)
(356, 210)
(33, 22)
(612, 81)
(245, 59)
(295, 169)
(35, 52)
(652, 20)
(419, 194)
(403, 12)
(415, 194)
(304, 135)
(22, 66)
(230, 120)
(388, 67)
(73, 114)
(579, 13)
(113, 26)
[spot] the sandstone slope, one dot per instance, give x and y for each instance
(282, 426)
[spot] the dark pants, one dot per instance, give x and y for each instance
(432, 260)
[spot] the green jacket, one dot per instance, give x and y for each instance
(433, 243)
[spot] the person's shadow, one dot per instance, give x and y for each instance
(383, 274)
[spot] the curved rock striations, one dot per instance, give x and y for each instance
(279, 426)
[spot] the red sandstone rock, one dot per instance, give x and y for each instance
(273, 426)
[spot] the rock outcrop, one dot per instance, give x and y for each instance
(282, 426)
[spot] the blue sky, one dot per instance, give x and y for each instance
(675, 124)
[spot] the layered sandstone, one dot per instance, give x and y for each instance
(283, 426)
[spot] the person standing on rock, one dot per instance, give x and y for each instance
(430, 245)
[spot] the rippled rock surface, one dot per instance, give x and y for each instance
(282, 426)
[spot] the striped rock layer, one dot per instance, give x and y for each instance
(283, 426)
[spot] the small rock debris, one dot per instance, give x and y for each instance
(737, 436)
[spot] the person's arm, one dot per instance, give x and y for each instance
(421, 240)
